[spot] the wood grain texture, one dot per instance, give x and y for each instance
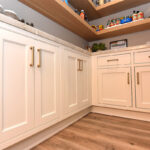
(101, 132)
(61, 13)
(65, 16)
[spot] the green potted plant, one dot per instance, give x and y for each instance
(96, 47)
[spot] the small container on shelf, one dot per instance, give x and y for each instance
(101, 2)
(126, 19)
(140, 15)
(99, 27)
(82, 14)
(134, 16)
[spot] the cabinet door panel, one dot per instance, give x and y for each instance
(46, 82)
(17, 85)
(70, 83)
(142, 87)
(114, 86)
(83, 84)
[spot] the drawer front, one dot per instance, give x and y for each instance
(123, 59)
(142, 57)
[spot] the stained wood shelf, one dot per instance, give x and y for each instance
(109, 8)
(61, 13)
(127, 28)
(65, 16)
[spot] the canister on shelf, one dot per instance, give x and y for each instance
(134, 16)
(140, 15)
(82, 15)
(101, 2)
(108, 24)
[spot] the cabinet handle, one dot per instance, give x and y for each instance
(32, 59)
(80, 67)
(128, 78)
(138, 78)
(39, 51)
(112, 60)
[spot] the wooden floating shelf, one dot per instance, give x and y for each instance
(65, 16)
(127, 28)
(61, 13)
(109, 8)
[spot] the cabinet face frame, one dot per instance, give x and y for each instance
(83, 82)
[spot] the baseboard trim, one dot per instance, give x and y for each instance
(36, 139)
(121, 113)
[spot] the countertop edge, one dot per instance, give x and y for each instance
(33, 30)
(127, 49)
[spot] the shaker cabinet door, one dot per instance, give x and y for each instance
(16, 84)
(69, 80)
(83, 81)
(114, 86)
(46, 83)
(142, 77)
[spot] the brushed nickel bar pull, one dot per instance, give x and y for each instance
(32, 61)
(138, 78)
(128, 80)
(39, 51)
(112, 60)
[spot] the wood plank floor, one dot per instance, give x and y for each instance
(101, 132)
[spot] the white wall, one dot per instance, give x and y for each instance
(43, 23)
(134, 38)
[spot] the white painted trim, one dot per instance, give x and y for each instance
(121, 113)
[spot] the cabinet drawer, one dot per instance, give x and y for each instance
(123, 59)
(142, 57)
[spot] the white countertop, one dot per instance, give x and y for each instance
(23, 26)
(100, 52)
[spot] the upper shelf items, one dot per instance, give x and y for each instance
(109, 8)
(61, 13)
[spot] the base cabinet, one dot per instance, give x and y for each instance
(29, 89)
(76, 83)
(31, 84)
(83, 81)
(16, 85)
(114, 86)
(142, 81)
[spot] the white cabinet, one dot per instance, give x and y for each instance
(114, 86)
(70, 82)
(29, 79)
(142, 80)
(16, 85)
(46, 83)
(83, 81)
(31, 71)
(76, 81)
